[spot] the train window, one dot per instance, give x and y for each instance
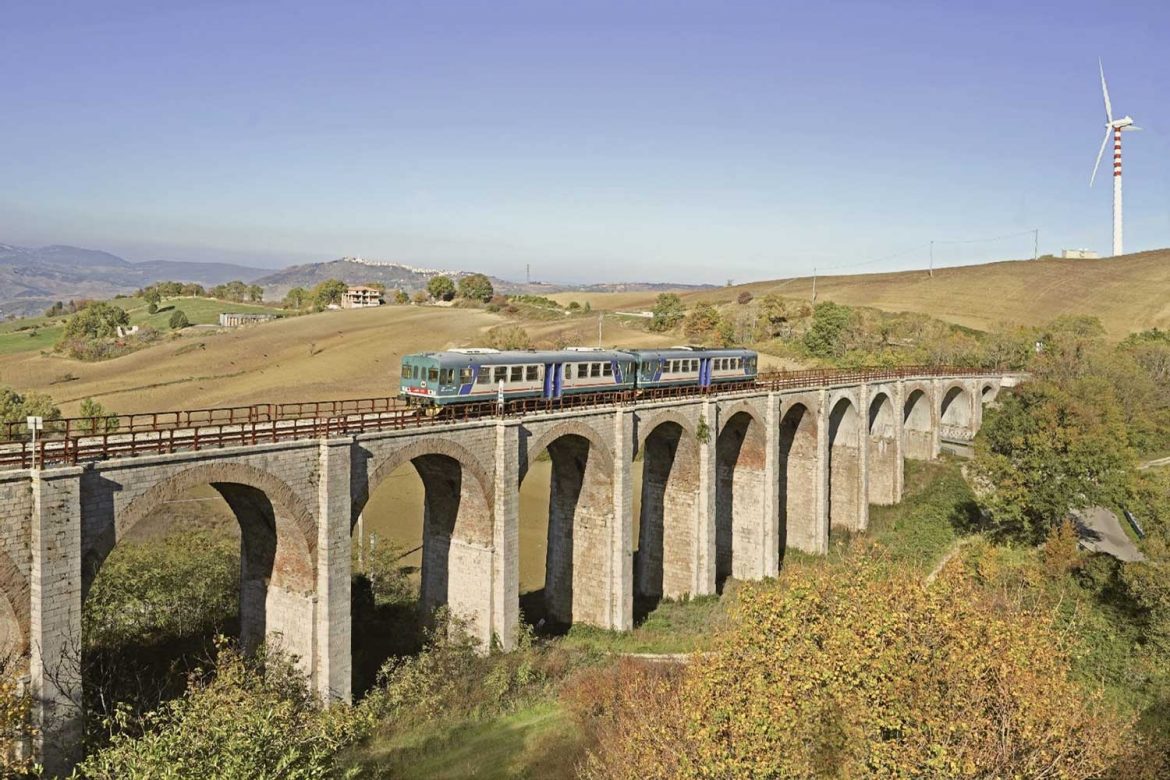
(594, 369)
(446, 376)
(406, 370)
(465, 376)
(722, 364)
(568, 371)
(607, 369)
(501, 374)
(433, 375)
(532, 373)
(485, 376)
(517, 374)
(672, 367)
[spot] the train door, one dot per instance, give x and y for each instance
(552, 379)
(704, 372)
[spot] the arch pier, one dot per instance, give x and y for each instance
(730, 483)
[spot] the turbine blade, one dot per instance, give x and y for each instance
(1105, 92)
(1104, 142)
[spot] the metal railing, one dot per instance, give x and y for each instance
(74, 440)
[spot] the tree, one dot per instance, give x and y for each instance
(420, 296)
(330, 291)
(179, 320)
(295, 298)
(744, 297)
(379, 286)
(15, 407)
(96, 321)
(864, 671)
(831, 327)
(1047, 449)
(476, 287)
(772, 321)
(153, 297)
(246, 721)
(441, 288)
(701, 322)
(255, 293)
(152, 308)
(668, 311)
(509, 337)
(400, 297)
(101, 419)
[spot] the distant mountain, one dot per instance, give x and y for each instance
(356, 270)
(31, 279)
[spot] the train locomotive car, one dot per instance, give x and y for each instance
(694, 366)
(435, 379)
(467, 375)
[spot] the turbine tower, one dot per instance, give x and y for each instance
(1113, 127)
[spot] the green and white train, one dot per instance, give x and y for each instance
(475, 375)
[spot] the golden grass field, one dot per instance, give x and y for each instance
(331, 355)
(1128, 293)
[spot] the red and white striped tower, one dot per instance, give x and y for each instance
(1117, 227)
(1113, 127)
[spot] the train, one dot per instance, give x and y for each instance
(457, 376)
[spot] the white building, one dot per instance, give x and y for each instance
(1079, 254)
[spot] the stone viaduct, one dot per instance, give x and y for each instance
(729, 483)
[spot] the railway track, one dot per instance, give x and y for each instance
(73, 440)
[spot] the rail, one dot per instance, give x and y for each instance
(69, 441)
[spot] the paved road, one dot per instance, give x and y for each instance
(1101, 531)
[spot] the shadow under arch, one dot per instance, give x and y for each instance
(845, 495)
(740, 455)
(277, 550)
(917, 425)
(797, 474)
(663, 563)
(955, 408)
(14, 611)
(577, 582)
(883, 460)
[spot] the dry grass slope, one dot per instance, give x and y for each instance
(1128, 293)
(340, 354)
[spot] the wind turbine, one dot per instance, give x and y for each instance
(1113, 127)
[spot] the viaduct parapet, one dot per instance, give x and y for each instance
(729, 483)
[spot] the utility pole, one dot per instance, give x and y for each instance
(600, 316)
(931, 259)
(814, 297)
(1036, 244)
(528, 273)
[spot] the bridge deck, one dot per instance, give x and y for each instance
(73, 440)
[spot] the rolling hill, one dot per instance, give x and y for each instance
(1127, 293)
(31, 279)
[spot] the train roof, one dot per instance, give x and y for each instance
(681, 352)
(489, 357)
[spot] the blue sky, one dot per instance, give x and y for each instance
(688, 141)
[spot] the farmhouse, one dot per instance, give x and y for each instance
(361, 297)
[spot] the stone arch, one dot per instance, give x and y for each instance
(278, 550)
(742, 405)
(918, 426)
(578, 569)
(457, 534)
(440, 453)
(846, 502)
(884, 461)
(740, 494)
(663, 564)
(566, 428)
(988, 394)
(14, 610)
(797, 472)
(955, 408)
(645, 428)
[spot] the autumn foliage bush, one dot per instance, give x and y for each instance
(865, 671)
